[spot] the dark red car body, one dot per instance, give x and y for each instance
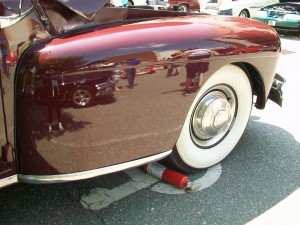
(139, 124)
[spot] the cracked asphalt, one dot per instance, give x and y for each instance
(262, 171)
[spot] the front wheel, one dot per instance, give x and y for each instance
(215, 122)
(182, 8)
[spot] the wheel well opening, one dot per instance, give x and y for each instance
(245, 10)
(256, 83)
(182, 4)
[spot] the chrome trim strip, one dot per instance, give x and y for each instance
(36, 179)
(8, 181)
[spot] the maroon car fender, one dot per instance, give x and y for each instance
(144, 115)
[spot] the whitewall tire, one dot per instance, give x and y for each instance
(215, 121)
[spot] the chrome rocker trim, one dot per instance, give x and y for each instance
(36, 179)
(8, 181)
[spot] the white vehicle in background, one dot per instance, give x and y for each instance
(149, 4)
(242, 8)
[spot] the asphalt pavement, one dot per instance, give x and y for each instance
(258, 184)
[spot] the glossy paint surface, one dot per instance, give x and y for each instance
(135, 71)
(137, 119)
(14, 41)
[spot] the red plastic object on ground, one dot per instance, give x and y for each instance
(170, 176)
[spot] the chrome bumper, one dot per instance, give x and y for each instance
(276, 91)
(105, 88)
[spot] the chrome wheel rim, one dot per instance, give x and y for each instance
(213, 116)
(82, 97)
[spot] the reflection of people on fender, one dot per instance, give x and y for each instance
(194, 72)
(53, 102)
(130, 75)
(131, 72)
(3, 46)
(173, 69)
(3, 43)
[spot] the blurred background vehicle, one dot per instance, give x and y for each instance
(284, 17)
(242, 8)
(173, 5)
(184, 5)
(148, 4)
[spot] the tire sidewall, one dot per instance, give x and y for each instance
(244, 14)
(198, 158)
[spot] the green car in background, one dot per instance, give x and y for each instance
(284, 17)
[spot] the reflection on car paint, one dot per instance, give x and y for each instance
(100, 88)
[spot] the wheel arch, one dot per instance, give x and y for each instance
(256, 83)
(245, 10)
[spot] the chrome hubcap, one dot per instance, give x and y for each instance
(82, 97)
(213, 116)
